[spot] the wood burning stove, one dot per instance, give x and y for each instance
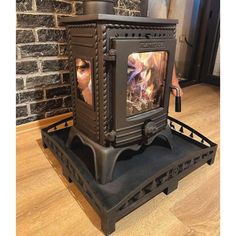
(107, 45)
(123, 148)
(121, 69)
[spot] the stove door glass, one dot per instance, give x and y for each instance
(145, 83)
(84, 80)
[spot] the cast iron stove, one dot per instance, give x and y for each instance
(122, 148)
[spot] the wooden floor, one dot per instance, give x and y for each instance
(48, 205)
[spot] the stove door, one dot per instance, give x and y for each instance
(143, 73)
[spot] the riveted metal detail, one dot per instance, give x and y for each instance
(166, 32)
(72, 75)
(96, 78)
(105, 82)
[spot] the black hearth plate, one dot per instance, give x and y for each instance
(138, 177)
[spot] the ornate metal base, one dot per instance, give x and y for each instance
(137, 176)
(105, 158)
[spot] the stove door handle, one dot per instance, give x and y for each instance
(177, 98)
(177, 104)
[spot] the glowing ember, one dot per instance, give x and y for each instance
(145, 85)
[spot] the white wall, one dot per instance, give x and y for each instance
(181, 10)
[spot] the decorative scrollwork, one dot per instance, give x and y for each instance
(72, 75)
(97, 84)
(170, 28)
(105, 81)
(159, 180)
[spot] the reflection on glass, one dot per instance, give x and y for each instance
(145, 84)
(84, 80)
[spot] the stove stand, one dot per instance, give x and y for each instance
(105, 158)
(123, 149)
(138, 175)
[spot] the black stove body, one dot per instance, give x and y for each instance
(106, 41)
(110, 48)
(122, 148)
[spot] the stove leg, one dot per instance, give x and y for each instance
(171, 187)
(72, 134)
(106, 158)
(43, 137)
(44, 145)
(211, 161)
(65, 172)
(108, 226)
(168, 136)
(105, 165)
(165, 135)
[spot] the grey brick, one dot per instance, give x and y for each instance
(26, 67)
(29, 96)
(57, 112)
(63, 50)
(66, 78)
(21, 111)
(19, 84)
(133, 5)
(57, 35)
(17, 98)
(42, 81)
(135, 13)
(39, 50)
(67, 101)
(57, 92)
(55, 65)
(79, 8)
(31, 21)
(23, 5)
(123, 12)
(53, 6)
(42, 107)
(24, 36)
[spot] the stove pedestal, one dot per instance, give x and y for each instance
(105, 158)
(138, 176)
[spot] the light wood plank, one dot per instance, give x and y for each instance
(48, 205)
(39, 124)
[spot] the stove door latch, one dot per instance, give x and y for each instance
(110, 56)
(150, 129)
(111, 136)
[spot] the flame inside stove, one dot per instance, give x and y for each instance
(145, 84)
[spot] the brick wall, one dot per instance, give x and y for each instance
(42, 76)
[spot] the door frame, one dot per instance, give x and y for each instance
(212, 39)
